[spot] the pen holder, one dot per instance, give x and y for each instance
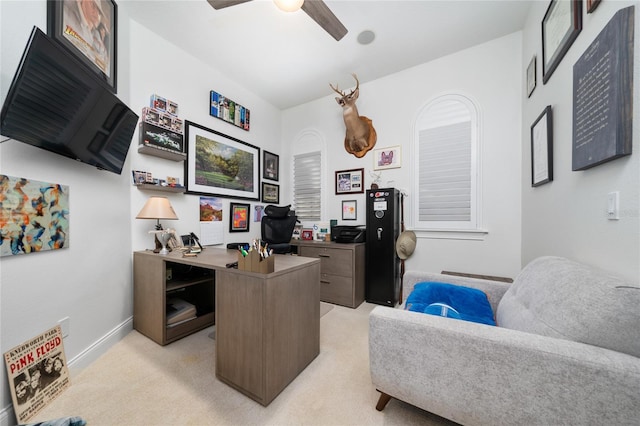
(253, 262)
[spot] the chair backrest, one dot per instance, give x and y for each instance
(277, 228)
(560, 298)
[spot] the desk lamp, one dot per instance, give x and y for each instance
(159, 208)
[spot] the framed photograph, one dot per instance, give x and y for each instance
(531, 76)
(560, 27)
(89, 30)
(387, 158)
(270, 166)
(350, 181)
(220, 165)
(270, 193)
(307, 234)
(591, 5)
(239, 218)
(350, 210)
(542, 149)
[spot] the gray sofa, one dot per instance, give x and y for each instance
(566, 351)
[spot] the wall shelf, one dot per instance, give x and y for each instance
(147, 186)
(163, 153)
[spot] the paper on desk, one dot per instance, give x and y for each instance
(211, 233)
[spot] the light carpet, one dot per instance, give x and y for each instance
(138, 382)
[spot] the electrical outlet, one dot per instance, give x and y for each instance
(64, 326)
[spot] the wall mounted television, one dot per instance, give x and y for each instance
(56, 104)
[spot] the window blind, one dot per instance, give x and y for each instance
(307, 185)
(445, 179)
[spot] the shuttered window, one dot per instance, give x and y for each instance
(445, 172)
(307, 186)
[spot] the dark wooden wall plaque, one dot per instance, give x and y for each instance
(603, 95)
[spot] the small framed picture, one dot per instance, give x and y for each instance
(270, 193)
(387, 158)
(531, 76)
(542, 149)
(350, 181)
(560, 27)
(239, 218)
(270, 165)
(89, 30)
(350, 210)
(307, 234)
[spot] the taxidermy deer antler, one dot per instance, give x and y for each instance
(360, 136)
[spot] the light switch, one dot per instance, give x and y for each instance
(613, 205)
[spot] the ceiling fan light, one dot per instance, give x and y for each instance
(289, 5)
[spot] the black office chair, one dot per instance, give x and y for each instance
(277, 228)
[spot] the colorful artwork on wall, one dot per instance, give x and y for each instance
(34, 216)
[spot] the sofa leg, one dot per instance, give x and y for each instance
(382, 401)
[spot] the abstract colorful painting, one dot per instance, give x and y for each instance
(34, 216)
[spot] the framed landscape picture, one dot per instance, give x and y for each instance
(218, 164)
(270, 193)
(89, 30)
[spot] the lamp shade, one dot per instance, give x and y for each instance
(157, 208)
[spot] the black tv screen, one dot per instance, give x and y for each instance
(55, 103)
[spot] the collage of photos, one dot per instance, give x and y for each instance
(227, 110)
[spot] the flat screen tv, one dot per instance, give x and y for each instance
(55, 103)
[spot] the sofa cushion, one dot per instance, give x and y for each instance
(450, 300)
(557, 297)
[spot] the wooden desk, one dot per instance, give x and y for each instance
(267, 325)
(342, 270)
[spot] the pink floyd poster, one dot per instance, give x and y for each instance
(34, 216)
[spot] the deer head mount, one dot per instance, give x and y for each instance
(360, 136)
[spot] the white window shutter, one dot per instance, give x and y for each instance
(446, 165)
(307, 181)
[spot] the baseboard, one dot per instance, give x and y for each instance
(80, 361)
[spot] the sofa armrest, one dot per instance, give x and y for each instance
(478, 374)
(493, 289)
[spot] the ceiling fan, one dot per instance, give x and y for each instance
(316, 9)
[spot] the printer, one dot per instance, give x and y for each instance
(348, 234)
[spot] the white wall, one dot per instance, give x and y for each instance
(90, 281)
(567, 217)
(491, 75)
(159, 67)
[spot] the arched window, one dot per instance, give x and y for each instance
(307, 172)
(446, 165)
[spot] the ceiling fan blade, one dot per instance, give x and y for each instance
(221, 4)
(320, 12)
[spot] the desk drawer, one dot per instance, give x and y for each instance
(336, 289)
(332, 261)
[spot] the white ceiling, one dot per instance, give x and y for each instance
(287, 59)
